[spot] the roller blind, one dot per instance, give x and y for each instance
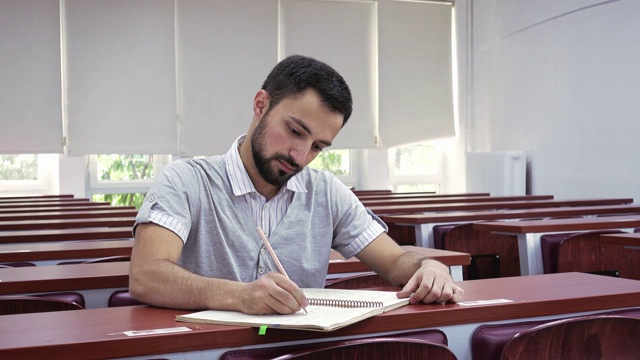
(120, 76)
(226, 48)
(342, 34)
(30, 94)
(415, 72)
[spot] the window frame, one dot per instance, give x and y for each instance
(437, 178)
(96, 186)
(47, 169)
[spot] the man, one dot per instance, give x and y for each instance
(196, 240)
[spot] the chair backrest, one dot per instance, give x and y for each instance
(402, 234)
(584, 337)
(463, 238)
(438, 234)
(360, 281)
(68, 296)
(32, 304)
(375, 348)
(430, 336)
(585, 252)
(122, 298)
(16, 264)
(98, 260)
(488, 340)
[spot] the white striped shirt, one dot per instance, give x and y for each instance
(266, 214)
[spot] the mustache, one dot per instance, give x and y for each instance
(286, 159)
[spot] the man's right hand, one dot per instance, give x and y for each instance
(273, 293)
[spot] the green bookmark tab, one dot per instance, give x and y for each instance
(263, 330)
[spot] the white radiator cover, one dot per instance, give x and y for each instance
(500, 173)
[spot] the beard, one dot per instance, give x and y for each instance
(276, 177)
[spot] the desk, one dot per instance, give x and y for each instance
(67, 223)
(424, 223)
(56, 203)
(52, 253)
(86, 214)
(95, 281)
(417, 195)
(39, 200)
(72, 207)
(28, 197)
(629, 240)
(533, 204)
(83, 277)
(454, 260)
(451, 200)
(98, 333)
(529, 232)
(25, 236)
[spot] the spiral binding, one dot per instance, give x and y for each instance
(344, 303)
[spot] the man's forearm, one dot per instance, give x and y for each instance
(162, 283)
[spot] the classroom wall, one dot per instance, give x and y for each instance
(559, 80)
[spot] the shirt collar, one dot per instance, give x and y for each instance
(239, 178)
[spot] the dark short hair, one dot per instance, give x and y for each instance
(298, 73)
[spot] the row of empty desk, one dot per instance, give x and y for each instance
(101, 332)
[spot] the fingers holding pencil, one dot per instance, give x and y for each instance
(274, 257)
(272, 293)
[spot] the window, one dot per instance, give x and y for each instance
(123, 179)
(416, 167)
(338, 162)
(27, 173)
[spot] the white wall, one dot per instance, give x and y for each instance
(559, 80)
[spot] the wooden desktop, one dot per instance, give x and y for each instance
(100, 333)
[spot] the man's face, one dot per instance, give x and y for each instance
(271, 174)
(291, 134)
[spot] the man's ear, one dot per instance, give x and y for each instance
(260, 104)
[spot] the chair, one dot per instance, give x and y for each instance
(438, 234)
(430, 337)
(549, 244)
(585, 252)
(488, 340)
(501, 251)
(122, 298)
(360, 281)
(375, 349)
(34, 304)
(584, 337)
(98, 260)
(402, 234)
(69, 296)
(16, 264)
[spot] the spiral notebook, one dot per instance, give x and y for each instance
(328, 310)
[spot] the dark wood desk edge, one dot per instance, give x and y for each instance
(427, 218)
(66, 254)
(408, 209)
(522, 227)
